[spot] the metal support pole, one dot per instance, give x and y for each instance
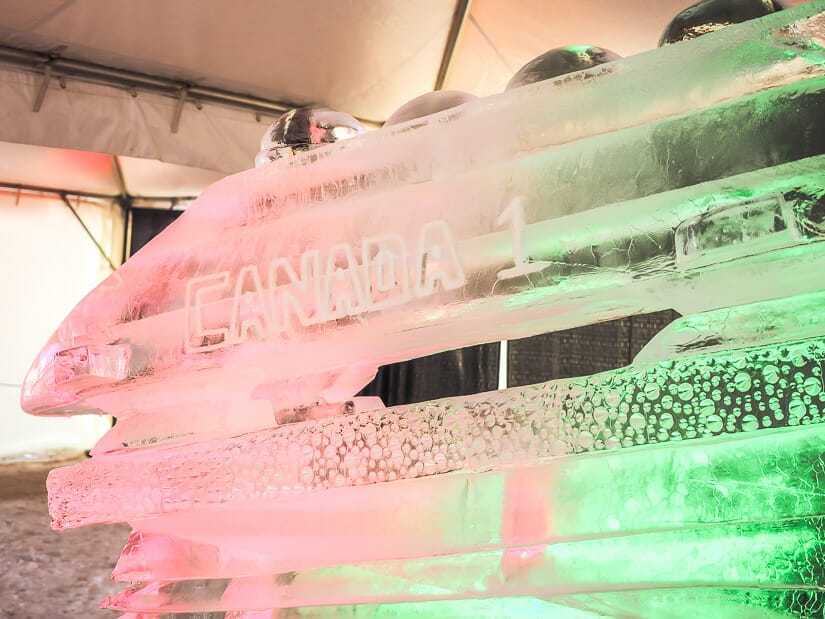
(124, 201)
(462, 11)
(184, 92)
(88, 232)
(44, 87)
(121, 182)
(57, 191)
(134, 82)
(127, 231)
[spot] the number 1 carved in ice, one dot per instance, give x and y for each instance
(514, 213)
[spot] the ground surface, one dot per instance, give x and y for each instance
(45, 573)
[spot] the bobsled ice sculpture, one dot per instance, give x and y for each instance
(691, 483)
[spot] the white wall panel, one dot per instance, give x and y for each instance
(47, 264)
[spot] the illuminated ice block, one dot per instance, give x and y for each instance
(690, 483)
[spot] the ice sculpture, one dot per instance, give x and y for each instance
(691, 483)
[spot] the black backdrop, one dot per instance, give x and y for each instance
(584, 350)
(575, 352)
(148, 223)
(455, 372)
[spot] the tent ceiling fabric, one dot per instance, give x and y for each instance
(148, 178)
(83, 172)
(70, 170)
(365, 58)
(107, 119)
(502, 35)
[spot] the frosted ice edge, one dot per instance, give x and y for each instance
(724, 603)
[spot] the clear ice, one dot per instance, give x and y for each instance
(690, 483)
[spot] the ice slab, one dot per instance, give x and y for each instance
(786, 554)
(769, 475)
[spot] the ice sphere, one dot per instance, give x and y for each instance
(304, 128)
(429, 103)
(230, 348)
(560, 61)
(711, 15)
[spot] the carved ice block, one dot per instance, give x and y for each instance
(690, 483)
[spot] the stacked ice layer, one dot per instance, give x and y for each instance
(728, 522)
(690, 483)
(705, 473)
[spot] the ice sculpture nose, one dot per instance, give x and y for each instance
(59, 374)
(39, 391)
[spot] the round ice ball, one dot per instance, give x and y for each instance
(429, 103)
(303, 129)
(560, 61)
(711, 15)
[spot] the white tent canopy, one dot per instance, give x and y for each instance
(364, 58)
(140, 78)
(89, 173)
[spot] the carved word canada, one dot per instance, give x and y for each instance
(262, 301)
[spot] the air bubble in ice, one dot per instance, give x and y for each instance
(749, 423)
(714, 423)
